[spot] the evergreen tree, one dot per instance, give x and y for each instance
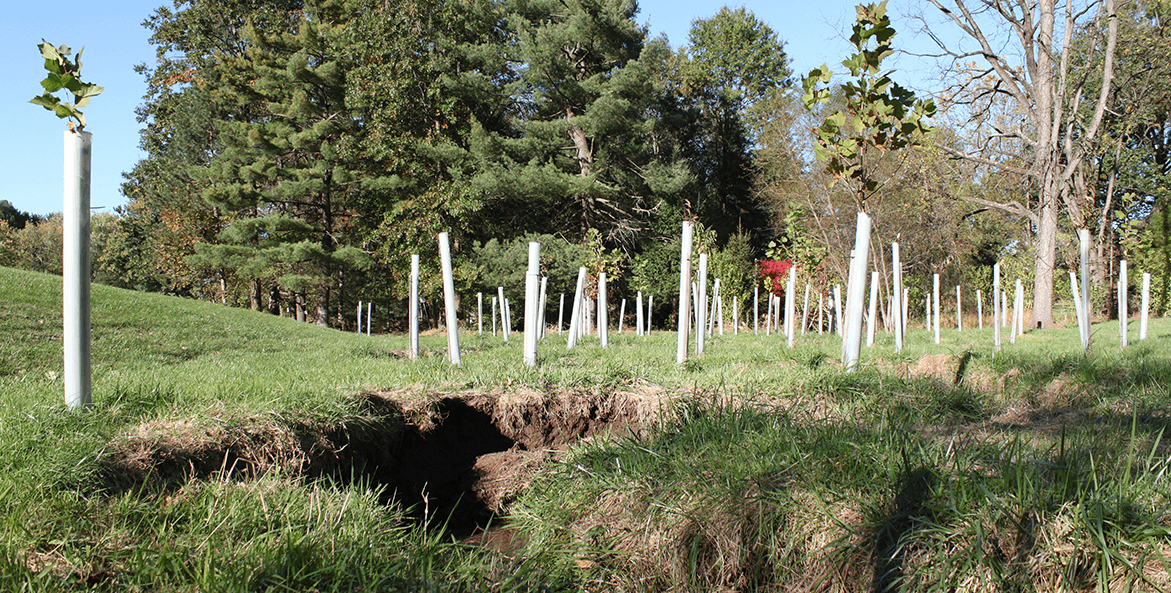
(733, 63)
(582, 153)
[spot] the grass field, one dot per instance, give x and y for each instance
(228, 450)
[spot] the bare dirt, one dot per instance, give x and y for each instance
(457, 458)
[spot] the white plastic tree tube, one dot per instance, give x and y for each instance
(1123, 310)
(542, 308)
(684, 297)
(532, 306)
(575, 312)
(603, 310)
(719, 308)
(1077, 306)
(838, 310)
(638, 322)
(768, 314)
(1084, 245)
(735, 315)
(413, 308)
(979, 310)
(369, 315)
(76, 270)
(928, 307)
(1012, 322)
(480, 313)
(1020, 290)
(935, 301)
(701, 306)
(621, 315)
(756, 309)
(449, 299)
(650, 301)
(359, 325)
(873, 312)
(996, 306)
(805, 309)
(855, 300)
(959, 311)
(1146, 305)
(503, 316)
(820, 312)
(494, 309)
(791, 306)
(560, 313)
(896, 295)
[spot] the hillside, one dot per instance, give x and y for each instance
(235, 451)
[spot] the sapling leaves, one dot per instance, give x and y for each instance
(64, 74)
(878, 116)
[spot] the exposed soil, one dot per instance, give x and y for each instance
(456, 459)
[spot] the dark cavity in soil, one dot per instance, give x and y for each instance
(456, 461)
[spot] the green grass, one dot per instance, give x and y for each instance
(1042, 469)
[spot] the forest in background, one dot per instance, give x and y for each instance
(299, 152)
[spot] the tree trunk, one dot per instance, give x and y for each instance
(1045, 261)
(254, 294)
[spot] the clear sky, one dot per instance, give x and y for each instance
(115, 41)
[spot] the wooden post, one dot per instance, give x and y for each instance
(449, 299)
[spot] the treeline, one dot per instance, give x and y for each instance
(299, 152)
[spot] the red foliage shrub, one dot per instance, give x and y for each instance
(777, 273)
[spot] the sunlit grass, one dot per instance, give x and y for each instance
(950, 466)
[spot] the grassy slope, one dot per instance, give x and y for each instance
(160, 359)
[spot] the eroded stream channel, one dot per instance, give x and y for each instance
(455, 459)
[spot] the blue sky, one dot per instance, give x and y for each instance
(115, 41)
